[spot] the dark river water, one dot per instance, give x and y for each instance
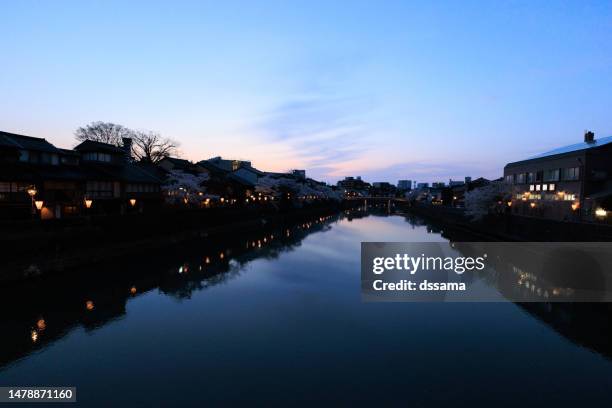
(276, 318)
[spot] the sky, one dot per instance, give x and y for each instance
(386, 90)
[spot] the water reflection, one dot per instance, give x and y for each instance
(92, 298)
(36, 315)
(563, 275)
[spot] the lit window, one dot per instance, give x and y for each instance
(545, 187)
(531, 187)
(551, 187)
(537, 187)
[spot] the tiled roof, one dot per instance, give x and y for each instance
(178, 162)
(26, 142)
(90, 145)
(128, 172)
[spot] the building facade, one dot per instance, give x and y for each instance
(572, 183)
(41, 181)
(404, 185)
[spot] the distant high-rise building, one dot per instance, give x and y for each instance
(404, 185)
(422, 185)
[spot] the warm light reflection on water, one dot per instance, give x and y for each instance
(280, 309)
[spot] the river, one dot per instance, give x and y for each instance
(276, 317)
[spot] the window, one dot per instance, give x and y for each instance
(572, 173)
(141, 188)
(510, 178)
(8, 187)
(537, 187)
(545, 187)
(551, 175)
(48, 158)
(569, 197)
(99, 189)
(96, 156)
(539, 175)
(531, 187)
(531, 177)
(520, 178)
(34, 157)
(551, 187)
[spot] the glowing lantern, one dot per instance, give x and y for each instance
(41, 324)
(31, 191)
(532, 205)
(39, 204)
(575, 206)
(600, 212)
(34, 336)
(89, 305)
(133, 202)
(509, 203)
(133, 290)
(88, 202)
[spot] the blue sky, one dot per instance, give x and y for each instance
(387, 90)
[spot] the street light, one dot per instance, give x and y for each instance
(31, 190)
(39, 204)
(88, 203)
(132, 202)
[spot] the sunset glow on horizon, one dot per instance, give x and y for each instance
(384, 90)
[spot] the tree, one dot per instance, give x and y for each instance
(147, 146)
(104, 132)
(478, 202)
(151, 147)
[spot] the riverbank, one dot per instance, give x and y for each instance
(37, 249)
(509, 227)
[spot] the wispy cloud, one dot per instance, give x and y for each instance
(322, 131)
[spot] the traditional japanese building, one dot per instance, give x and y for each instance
(39, 180)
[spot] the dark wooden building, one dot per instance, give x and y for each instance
(39, 180)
